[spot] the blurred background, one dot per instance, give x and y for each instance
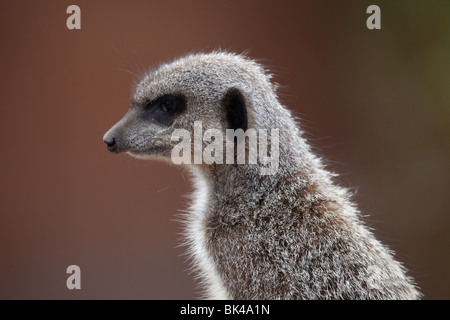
(374, 103)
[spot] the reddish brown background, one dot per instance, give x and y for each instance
(375, 104)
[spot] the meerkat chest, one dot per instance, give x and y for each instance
(198, 238)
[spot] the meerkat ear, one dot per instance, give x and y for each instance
(236, 110)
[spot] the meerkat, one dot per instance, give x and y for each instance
(294, 234)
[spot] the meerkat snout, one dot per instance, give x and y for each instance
(144, 130)
(113, 138)
(290, 234)
(111, 143)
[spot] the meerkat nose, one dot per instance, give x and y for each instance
(111, 143)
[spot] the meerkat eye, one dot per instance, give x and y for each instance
(168, 104)
(165, 103)
(165, 108)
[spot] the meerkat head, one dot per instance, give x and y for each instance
(219, 89)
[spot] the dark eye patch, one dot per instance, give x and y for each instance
(165, 108)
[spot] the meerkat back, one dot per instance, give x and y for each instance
(266, 219)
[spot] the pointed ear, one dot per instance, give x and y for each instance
(236, 109)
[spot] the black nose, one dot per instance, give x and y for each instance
(111, 144)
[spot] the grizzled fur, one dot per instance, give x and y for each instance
(291, 235)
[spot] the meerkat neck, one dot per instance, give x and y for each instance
(228, 195)
(244, 185)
